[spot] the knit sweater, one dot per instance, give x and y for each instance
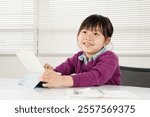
(102, 70)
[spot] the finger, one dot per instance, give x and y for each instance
(43, 79)
(46, 66)
(46, 72)
(46, 85)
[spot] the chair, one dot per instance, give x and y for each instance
(131, 76)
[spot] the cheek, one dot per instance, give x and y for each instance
(99, 43)
(79, 39)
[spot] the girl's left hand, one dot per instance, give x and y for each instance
(51, 79)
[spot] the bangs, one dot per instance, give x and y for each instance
(97, 22)
(93, 26)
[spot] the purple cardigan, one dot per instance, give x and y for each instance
(103, 70)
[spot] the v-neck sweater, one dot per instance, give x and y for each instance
(100, 71)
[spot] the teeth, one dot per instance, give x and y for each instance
(88, 44)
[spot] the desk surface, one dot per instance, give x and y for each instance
(9, 89)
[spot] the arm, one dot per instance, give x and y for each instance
(54, 79)
(101, 73)
(98, 75)
(69, 66)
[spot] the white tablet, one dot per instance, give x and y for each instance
(33, 66)
(30, 61)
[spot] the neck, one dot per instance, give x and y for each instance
(89, 55)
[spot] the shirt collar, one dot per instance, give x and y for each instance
(86, 60)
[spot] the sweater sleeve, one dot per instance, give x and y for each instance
(99, 74)
(68, 67)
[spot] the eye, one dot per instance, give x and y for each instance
(96, 33)
(84, 31)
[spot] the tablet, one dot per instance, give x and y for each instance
(30, 61)
(33, 66)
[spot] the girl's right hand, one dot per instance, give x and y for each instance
(48, 67)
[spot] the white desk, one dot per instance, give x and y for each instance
(9, 89)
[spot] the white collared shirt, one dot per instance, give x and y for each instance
(86, 60)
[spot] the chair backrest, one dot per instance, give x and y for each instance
(131, 76)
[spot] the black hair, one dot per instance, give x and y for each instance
(102, 22)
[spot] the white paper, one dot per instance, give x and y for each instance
(85, 92)
(97, 92)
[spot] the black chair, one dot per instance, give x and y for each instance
(131, 76)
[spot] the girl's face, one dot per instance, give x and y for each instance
(91, 41)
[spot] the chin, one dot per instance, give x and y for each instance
(88, 52)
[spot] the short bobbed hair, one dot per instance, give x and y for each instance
(94, 21)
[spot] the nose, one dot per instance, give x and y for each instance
(89, 37)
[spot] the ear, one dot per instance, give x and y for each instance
(107, 40)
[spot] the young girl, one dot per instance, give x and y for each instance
(94, 65)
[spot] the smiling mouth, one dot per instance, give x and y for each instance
(87, 44)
